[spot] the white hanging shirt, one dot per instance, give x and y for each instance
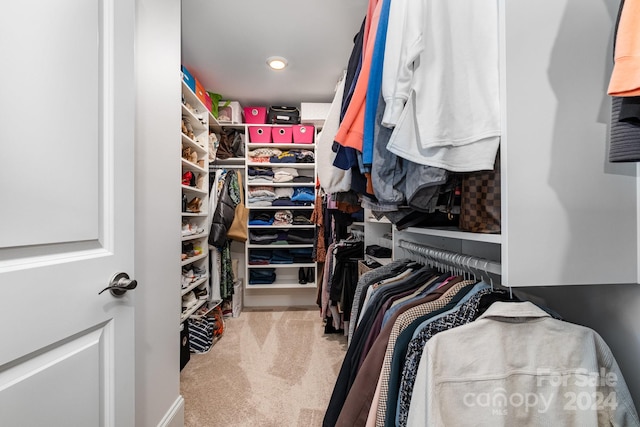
(444, 54)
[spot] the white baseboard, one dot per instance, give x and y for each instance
(175, 415)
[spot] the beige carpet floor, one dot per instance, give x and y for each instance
(271, 368)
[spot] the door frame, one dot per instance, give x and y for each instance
(157, 203)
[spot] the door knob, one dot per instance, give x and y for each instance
(119, 284)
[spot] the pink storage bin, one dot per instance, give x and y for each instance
(255, 115)
(259, 134)
(282, 134)
(303, 134)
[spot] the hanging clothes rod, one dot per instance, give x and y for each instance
(454, 260)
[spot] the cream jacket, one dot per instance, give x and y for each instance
(517, 366)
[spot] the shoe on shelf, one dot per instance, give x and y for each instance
(302, 276)
(193, 273)
(201, 292)
(194, 205)
(189, 229)
(187, 250)
(310, 275)
(185, 282)
(187, 177)
(199, 272)
(186, 152)
(189, 300)
(200, 181)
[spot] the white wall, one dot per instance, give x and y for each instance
(157, 381)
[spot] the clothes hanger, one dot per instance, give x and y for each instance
(486, 264)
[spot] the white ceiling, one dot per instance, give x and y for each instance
(225, 44)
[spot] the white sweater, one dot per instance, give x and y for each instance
(444, 53)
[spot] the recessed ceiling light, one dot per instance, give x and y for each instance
(276, 62)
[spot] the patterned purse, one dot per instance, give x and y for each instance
(480, 201)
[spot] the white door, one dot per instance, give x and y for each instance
(66, 212)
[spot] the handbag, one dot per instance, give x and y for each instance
(231, 144)
(238, 230)
(200, 334)
(283, 115)
(205, 330)
(480, 201)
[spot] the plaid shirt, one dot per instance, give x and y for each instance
(401, 323)
(461, 315)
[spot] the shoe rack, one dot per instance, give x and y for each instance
(195, 130)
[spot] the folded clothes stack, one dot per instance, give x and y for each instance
(301, 219)
(261, 195)
(293, 156)
(260, 171)
(284, 157)
(302, 179)
(284, 174)
(303, 194)
(263, 155)
(262, 276)
(259, 179)
(303, 156)
(283, 194)
(260, 218)
(284, 217)
(263, 237)
(301, 236)
(301, 255)
(281, 256)
(378, 251)
(259, 257)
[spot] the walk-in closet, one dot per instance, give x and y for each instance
(462, 166)
(321, 213)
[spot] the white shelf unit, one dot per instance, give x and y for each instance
(277, 246)
(195, 284)
(294, 265)
(569, 217)
(283, 165)
(193, 259)
(374, 234)
(194, 236)
(232, 161)
(187, 165)
(199, 121)
(281, 184)
(280, 207)
(286, 290)
(194, 214)
(188, 189)
(281, 226)
(211, 304)
(254, 145)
